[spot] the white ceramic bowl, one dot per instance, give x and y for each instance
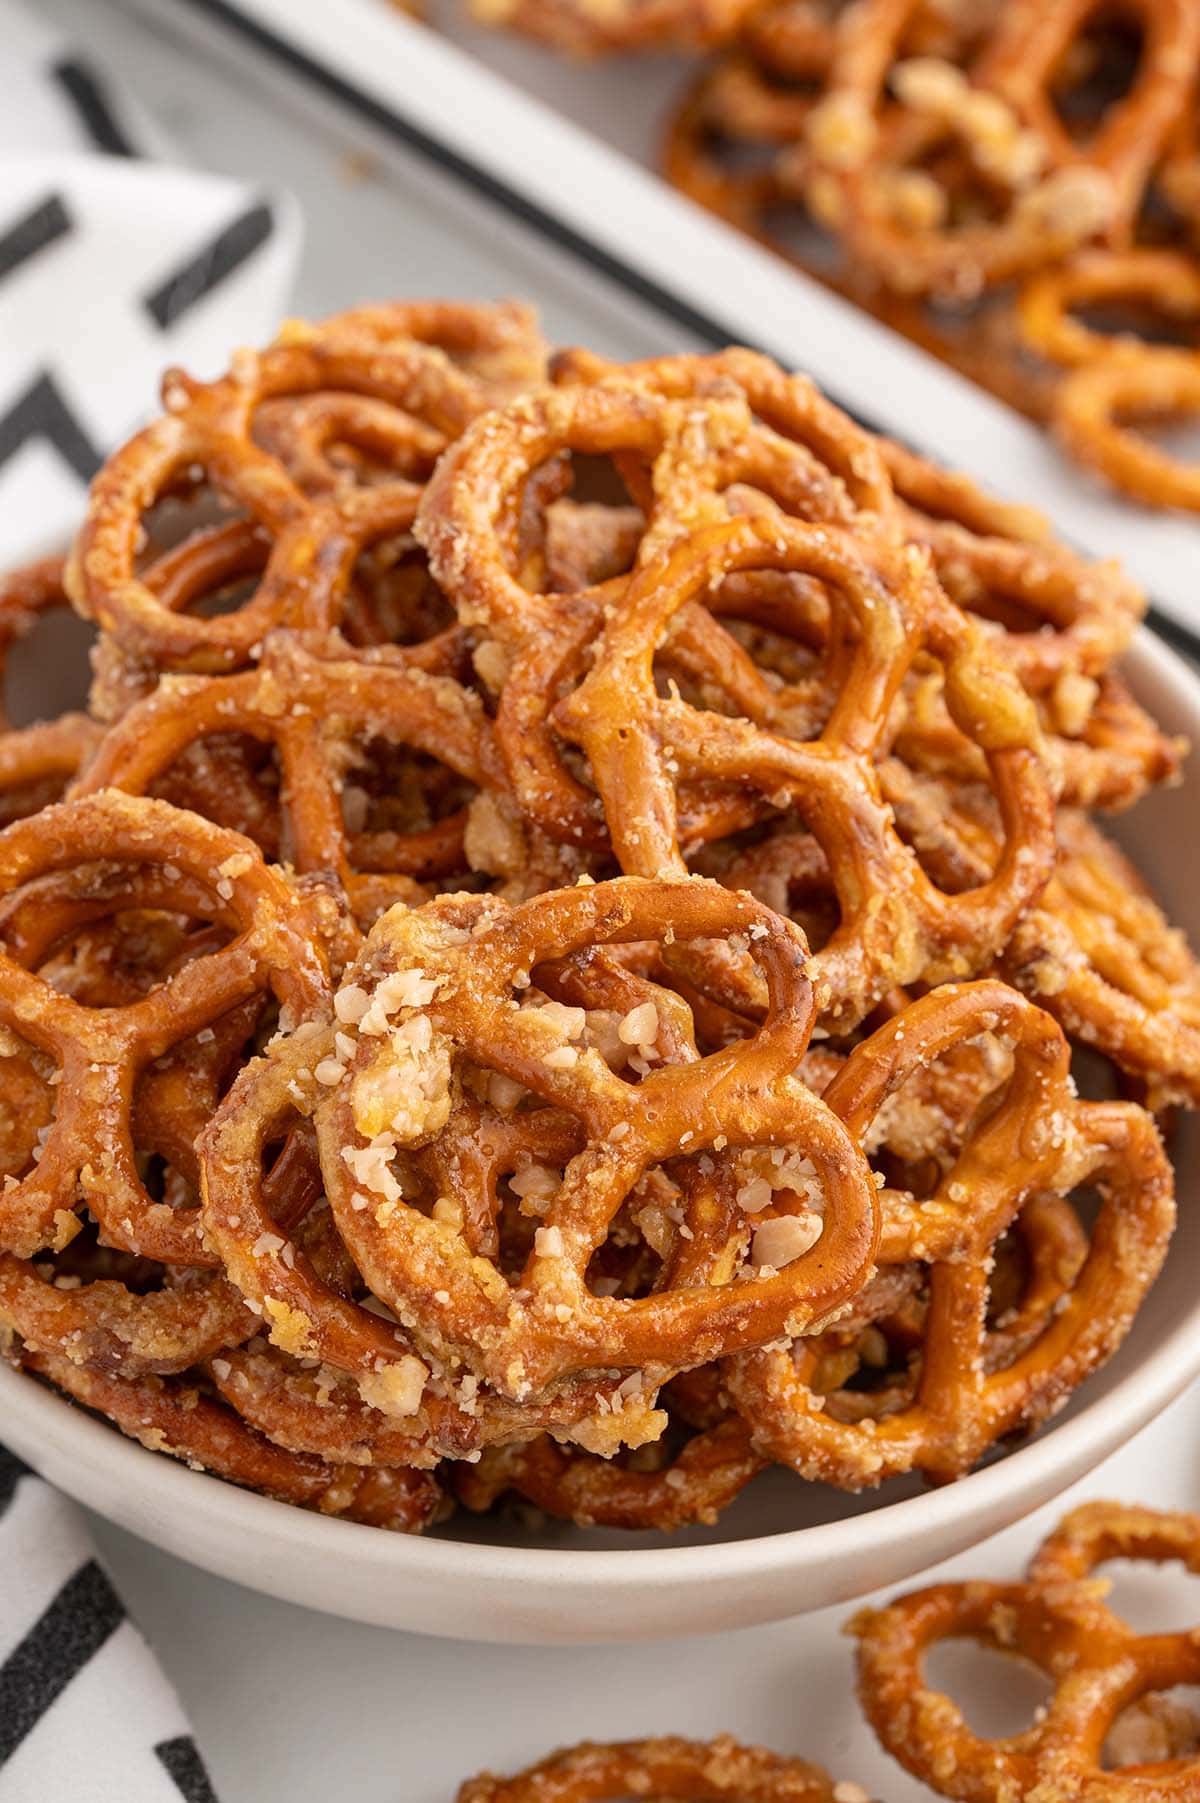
(784, 1548)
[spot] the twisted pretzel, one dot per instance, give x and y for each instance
(1097, 952)
(1099, 1667)
(682, 458)
(549, 1326)
(895, 926)
(210, 428)
(314, 702)
(1095, 399)
(1039, 1140)
(705, 1476)
(87, 1157)
(1004, 122)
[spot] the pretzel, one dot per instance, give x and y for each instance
(894, 925)
(209, 427)
(314, 1313)
(1102, 1672)
(499, 343)
(1063, 616)
(668, 1767)
(37, 763)
(1102, 958)
(703, 1463)
(710, 1470)
(1039, 1140)
(1163, 282)
(468, 520)
(314, 702)
(1118, 375)
(1103, 750)
(102, 1308)
(548, 1326)
(179, 1419)
(899, 155)
(1095, 400)
(1097, 952)
(87, 1157)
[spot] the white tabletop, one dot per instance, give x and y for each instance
(289, 1705)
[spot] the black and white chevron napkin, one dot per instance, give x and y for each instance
(111, 267)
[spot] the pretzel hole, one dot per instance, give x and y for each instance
(392, 799)
(231, 778)
(1152, 1598)
(1162, 1725)
(125, 954)
(395, 600)
(1177, 434)
(782, 866)
(46, 671)
(163, 1182)
(1152, 322)
(578, 523)
(597, 481)
(998, 1693)
(85, 1260)
(924, 1124)
(1097, 70)
(28, 1090)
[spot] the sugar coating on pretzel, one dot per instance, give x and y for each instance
(1099, 1734)
(434, 1001)
(1039, 1141)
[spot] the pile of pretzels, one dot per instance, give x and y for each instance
(555, 963)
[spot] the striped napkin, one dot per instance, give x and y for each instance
(85, 1711)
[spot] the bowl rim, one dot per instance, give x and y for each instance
(101, 1463)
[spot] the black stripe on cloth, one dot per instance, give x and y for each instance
(41, 412)
(12, 1470)
(42, 226)
(92, 107)
(210, 266)
(58, 1646)
(181, 1758)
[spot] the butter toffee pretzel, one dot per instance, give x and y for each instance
(1102, 1671)
(506, 991)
